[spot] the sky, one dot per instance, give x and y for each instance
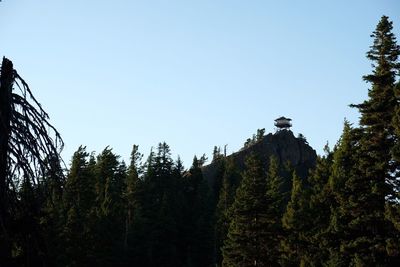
(192, 73)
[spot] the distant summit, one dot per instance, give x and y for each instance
(282, 144)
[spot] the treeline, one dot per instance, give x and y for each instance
(154, 212)
(151, 214)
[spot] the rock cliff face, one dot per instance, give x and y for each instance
(283, 145)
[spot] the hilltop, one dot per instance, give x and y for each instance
(282, 144)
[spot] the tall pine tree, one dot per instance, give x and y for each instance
(350, 210)
(230, 181)
(376, 163)
(295, 223)
(79, 199)
(246, 240)
(275, 198)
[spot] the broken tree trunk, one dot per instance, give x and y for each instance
(29, 151)
(6, 83)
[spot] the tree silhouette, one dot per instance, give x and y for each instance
(29, 148)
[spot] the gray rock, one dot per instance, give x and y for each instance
(282, 144)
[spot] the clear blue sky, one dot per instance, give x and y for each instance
(192, 73)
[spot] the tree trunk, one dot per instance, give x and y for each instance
(6, 82)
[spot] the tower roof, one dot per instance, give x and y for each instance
(283, 118)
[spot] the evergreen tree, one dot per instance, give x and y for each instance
(377, 113)
(131, 193)
(356, 220)
(377, 162)
(136, 230)
(246, 239)
(30, 243)
(347, 187)
(199, 217)
(51, 190)
(260, 134)
(216, 183)
(157, 206)
(217, 154)
(320, 203)
(230, 181)
(110, 183)
(275, 198)
(295, 222)
(178, 171)
(393, 207)
(78, 202)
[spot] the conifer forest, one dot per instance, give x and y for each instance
(251, 208)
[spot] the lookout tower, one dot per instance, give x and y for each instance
(283, 123)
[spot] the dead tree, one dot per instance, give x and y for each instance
(29, 147)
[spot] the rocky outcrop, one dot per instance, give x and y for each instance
(282, 144)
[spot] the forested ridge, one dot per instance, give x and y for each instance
(101, 211)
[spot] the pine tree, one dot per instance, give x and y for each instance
(216, 184)
(377, 146)
(217, 154)
(157, 205)
(51, 190)
(179, 215)
(110, 185)
(275, 198)
(30, 243)
(393, 207)
(246, 239)
(131, 193)
(230, 180)
(355, 219)
(345, 183)
(320, 203)
(135, 222)
(78, 200)
(199, 219)
(295, 222)
(377, 113)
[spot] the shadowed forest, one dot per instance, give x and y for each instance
(100, 211)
